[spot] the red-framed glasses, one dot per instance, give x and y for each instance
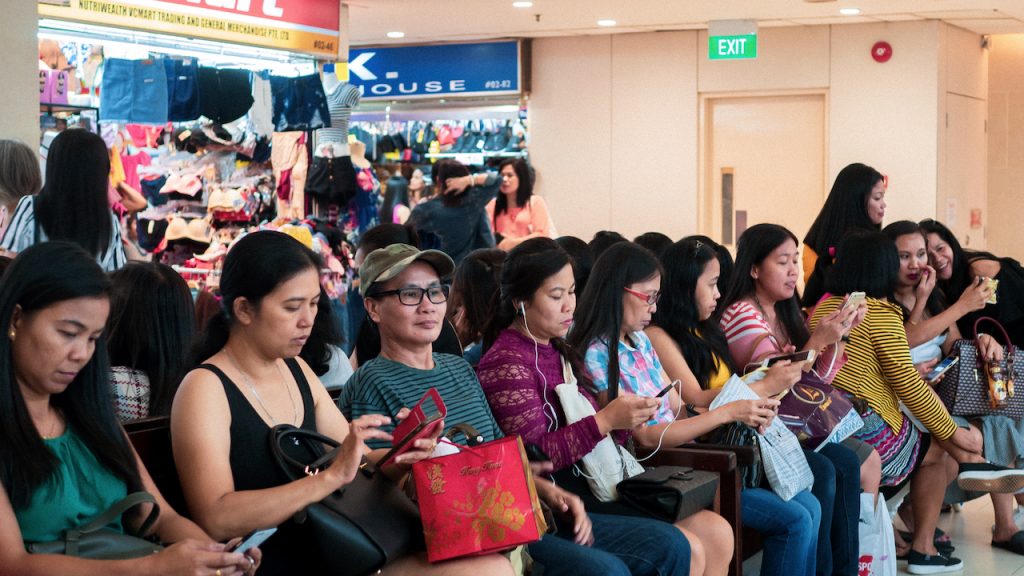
(651, 299)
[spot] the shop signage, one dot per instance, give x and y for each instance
(307, 26)
(741, 47)
(401, 72)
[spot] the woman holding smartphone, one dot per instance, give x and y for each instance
(251, 380)
(932, 329)
(66, 459)
(879, 372)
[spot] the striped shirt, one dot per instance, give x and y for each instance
(383, 386)
(880, 371)
(21, 233)
(339, 103)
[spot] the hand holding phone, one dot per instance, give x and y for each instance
(423, 421)
(253, 540)
(940, 369)
(794, 357)
(853, 301)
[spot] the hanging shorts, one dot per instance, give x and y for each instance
(299, 103)
(182, 89)
(225, 94)
(133, 91)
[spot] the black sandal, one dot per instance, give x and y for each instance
(1015, 544)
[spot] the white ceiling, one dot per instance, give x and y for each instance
(454, 20)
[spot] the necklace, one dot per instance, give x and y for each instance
(777, 333)
(248, 381)
(53, 427)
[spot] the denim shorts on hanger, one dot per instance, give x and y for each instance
(225, 94)
(133, 91)
(182, 89)
(299, 103)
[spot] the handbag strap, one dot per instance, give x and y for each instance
(1006, 338)
(118, 509)
(313, 440)
(473, 438)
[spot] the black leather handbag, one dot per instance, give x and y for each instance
(95, 540)
(738, 434)
(670, 493)
(359, 528)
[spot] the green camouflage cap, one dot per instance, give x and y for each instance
(383, 264)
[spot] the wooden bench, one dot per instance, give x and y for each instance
(151, 438)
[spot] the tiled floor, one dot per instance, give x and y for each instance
(971, 530)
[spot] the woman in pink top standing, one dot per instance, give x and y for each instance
(516, 214)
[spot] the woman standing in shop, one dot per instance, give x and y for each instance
(72, 204)
(251, 381)
(856, 202)
(516, 214)
(455, 219)
(762, 318)
(65, 459)
(19, 176)
(957, 270)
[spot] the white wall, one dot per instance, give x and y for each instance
(19, 115)
(1006, 145)
(614, 120)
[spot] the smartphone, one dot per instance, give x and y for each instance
(853, 300)
(801, 356)
(423, 421)
(941, 368)
(253, 540)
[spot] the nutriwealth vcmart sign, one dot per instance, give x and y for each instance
(447, 70)
(307, 26)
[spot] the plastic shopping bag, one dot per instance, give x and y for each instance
(877, 541)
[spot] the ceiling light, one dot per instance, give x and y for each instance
(524, 4)
(396, 34)
(606, 23)
(849, 11)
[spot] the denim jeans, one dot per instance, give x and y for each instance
(790, 530)
(623, 546)
(836, 471)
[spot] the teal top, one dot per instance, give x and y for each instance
(81, 489)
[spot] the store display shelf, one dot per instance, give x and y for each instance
(51, 108)
(501, 154)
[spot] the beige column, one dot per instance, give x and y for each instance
(19, 92)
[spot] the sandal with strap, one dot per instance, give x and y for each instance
(1015, 544)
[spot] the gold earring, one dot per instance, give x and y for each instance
(11, 334)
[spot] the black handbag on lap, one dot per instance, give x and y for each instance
(670, 493)
(94, 540)
(738, 434)
(359, 528)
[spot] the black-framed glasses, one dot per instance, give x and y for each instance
(651, 299)
(413, 295)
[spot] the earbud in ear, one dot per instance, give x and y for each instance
(522, 307)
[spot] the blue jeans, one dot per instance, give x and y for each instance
(836, 472)
(623, 546)
(790, 530)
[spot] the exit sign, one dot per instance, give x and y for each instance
(734, 47)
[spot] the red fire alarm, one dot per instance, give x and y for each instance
(881, 52)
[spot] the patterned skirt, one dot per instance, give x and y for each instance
(899, 452)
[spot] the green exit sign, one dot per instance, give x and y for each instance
(737, 47)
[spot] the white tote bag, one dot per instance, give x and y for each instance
(877, 542)
(608, 463)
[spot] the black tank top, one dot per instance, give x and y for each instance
(290, 550)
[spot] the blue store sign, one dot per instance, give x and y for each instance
(481, 69)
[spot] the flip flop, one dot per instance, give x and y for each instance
(1015, 544)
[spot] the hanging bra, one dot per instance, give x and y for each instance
(187, 184)
(198, 230)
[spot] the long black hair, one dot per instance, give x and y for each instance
(523, 193)
(845, 208)
(525, 270)
(599, 311)
(42, 276)
(756, 243)
(397, 193)
(582, 259)
(961, 277)
(152, 322)
(700, 341)
(446, 170)
(894, 231)
(255, 266)
(476, 294)
(326, 332)
(73, 202)
(865, 261)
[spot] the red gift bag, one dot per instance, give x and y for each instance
(478, 501)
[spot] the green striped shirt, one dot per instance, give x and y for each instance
(383, 386)
(879, 370)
